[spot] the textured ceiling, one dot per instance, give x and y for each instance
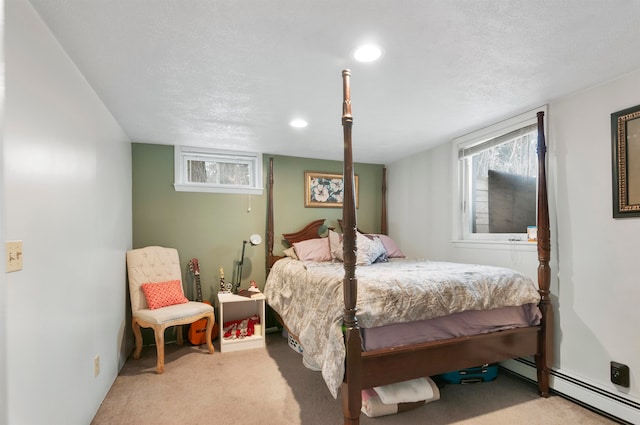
(231, 74)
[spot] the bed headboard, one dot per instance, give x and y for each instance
(313, 230)
(310, 231)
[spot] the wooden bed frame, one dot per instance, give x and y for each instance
(385, 366)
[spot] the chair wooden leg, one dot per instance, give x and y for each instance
(138, 337)
(179, 335)
(159, 335)
(210, 322)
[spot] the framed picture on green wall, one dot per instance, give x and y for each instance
(325, 190)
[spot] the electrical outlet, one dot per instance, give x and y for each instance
(96, 366)
(620, 374)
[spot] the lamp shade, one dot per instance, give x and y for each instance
(255, 239)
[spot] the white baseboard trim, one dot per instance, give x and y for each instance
(620, 408)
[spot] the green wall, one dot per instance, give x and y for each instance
(212, 226)
(288, 193)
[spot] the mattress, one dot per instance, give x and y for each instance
(454, 325)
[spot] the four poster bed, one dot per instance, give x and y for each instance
(321, 302)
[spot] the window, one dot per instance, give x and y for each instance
(208, 170)
(498, 169)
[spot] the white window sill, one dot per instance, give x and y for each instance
(215, 189)
(496, 245)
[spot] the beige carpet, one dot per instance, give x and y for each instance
(272, 387)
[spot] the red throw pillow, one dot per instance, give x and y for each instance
(162, 294)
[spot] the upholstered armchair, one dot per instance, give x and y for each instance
(157, 298)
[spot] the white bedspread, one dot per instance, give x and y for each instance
(308, 296)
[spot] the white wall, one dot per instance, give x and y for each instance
(595, 260)
(599, 268)
(419, 214)
(67, 196)
(3, 287)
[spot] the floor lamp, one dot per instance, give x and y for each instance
(254, 240)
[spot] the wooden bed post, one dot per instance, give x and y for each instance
(383, 215)
(270, 229)
(544, 358)
(352, 385)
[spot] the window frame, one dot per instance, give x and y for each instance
(182, 154)
(461, 227)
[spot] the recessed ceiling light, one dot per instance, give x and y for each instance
(298, 123)
(367, 53)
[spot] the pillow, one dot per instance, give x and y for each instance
(335, 244)
(383, 257)
(392, 249)
(368, 250)
(290, 252)
(162, 294)
(313, 250)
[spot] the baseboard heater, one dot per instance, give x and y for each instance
(606, 403)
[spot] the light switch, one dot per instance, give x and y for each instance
(14, 256)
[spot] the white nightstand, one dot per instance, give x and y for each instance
(235, 307)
